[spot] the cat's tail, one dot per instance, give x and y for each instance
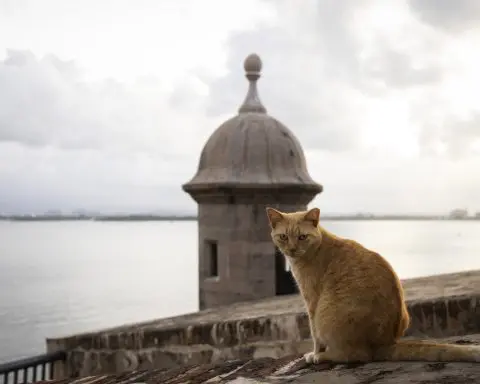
(410, 350)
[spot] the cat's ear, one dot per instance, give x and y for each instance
(274, 217)
(313, 216)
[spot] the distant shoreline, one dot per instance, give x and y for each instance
(194, 218)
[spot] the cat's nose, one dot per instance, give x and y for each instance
(293, 250)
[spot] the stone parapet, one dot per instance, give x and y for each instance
(293, 369)
(440, 306)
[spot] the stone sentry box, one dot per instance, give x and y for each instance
(251, 161)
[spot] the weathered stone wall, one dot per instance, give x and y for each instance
(293, 369)
(440, 306)
(246, 262)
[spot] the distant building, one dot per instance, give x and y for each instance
(458, 214)
(53, 212)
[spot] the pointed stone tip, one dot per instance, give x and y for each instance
(253, 67)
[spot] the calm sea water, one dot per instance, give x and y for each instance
(59, 278)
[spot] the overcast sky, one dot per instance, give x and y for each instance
(106, 104)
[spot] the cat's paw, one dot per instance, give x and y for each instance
(312, 357)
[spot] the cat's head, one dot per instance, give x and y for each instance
(294, 232)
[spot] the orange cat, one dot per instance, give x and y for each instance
(354, 299)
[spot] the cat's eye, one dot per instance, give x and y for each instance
(302, 237)
(283, 237)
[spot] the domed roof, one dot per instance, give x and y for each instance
(252, 149)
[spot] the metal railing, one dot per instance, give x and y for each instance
(31, 369)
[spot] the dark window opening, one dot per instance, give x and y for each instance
(212, 258)
(284, 281)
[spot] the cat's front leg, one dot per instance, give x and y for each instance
(318, 344)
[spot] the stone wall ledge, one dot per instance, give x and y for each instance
(437, 317)
(95, 362)
(293, 369)
(446, 295)
(440, 306)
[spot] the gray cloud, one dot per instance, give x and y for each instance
(46, 102)
(335, 37)
(457, 136)
(448, 15)
(7, 6)
(69, 143)
(395, 69)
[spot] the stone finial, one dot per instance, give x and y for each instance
(252, 103)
